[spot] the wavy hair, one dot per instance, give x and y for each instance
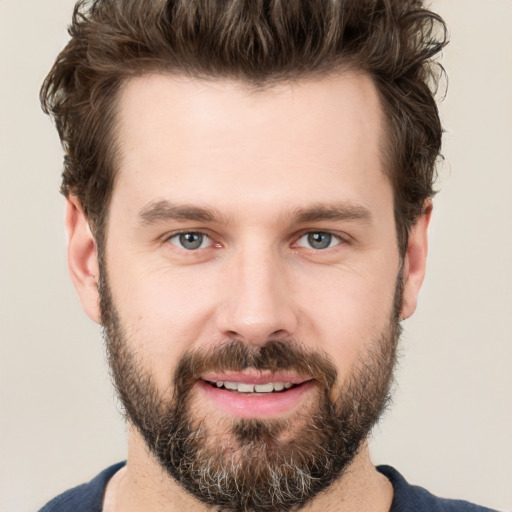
(260, 42)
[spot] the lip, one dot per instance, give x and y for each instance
(255, 377)
(244, 405)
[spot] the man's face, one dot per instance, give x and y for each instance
(251, 246)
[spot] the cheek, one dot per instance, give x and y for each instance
(349, 313)
(163, 313)
(166, 311)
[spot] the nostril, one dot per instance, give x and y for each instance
(256, 327)
(280, 333)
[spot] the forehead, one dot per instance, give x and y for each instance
(208, 139)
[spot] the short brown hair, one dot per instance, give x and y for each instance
(261, 42)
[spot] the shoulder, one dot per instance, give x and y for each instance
(413, 498)
(86, 497)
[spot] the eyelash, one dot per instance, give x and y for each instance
(183, 233)
(332, 236)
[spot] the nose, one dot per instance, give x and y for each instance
(258, 303)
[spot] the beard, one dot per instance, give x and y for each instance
(254, 465)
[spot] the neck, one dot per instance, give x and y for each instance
(143, 485)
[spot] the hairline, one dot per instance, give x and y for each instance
(252, 86)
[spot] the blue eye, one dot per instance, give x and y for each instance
(318, 240)
(190, 241)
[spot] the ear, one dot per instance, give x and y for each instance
(82, 258)
(415, 261)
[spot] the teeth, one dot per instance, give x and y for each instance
(242, 387)
(264, 388)
(245, 388)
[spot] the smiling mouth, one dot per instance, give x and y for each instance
(242, 387)
(253, 389)
(256, 395)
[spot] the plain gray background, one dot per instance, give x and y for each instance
(450, 428)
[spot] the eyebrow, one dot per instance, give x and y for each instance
(337, 212)
(164, 211)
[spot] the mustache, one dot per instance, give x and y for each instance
(276, 355)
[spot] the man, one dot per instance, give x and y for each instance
(248, 195)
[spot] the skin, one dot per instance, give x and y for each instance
(254, 159)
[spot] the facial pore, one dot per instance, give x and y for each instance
(254, 465)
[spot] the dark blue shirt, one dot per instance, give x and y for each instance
(407, 498)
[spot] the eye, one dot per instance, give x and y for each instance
(190, 241)
(318, 240)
